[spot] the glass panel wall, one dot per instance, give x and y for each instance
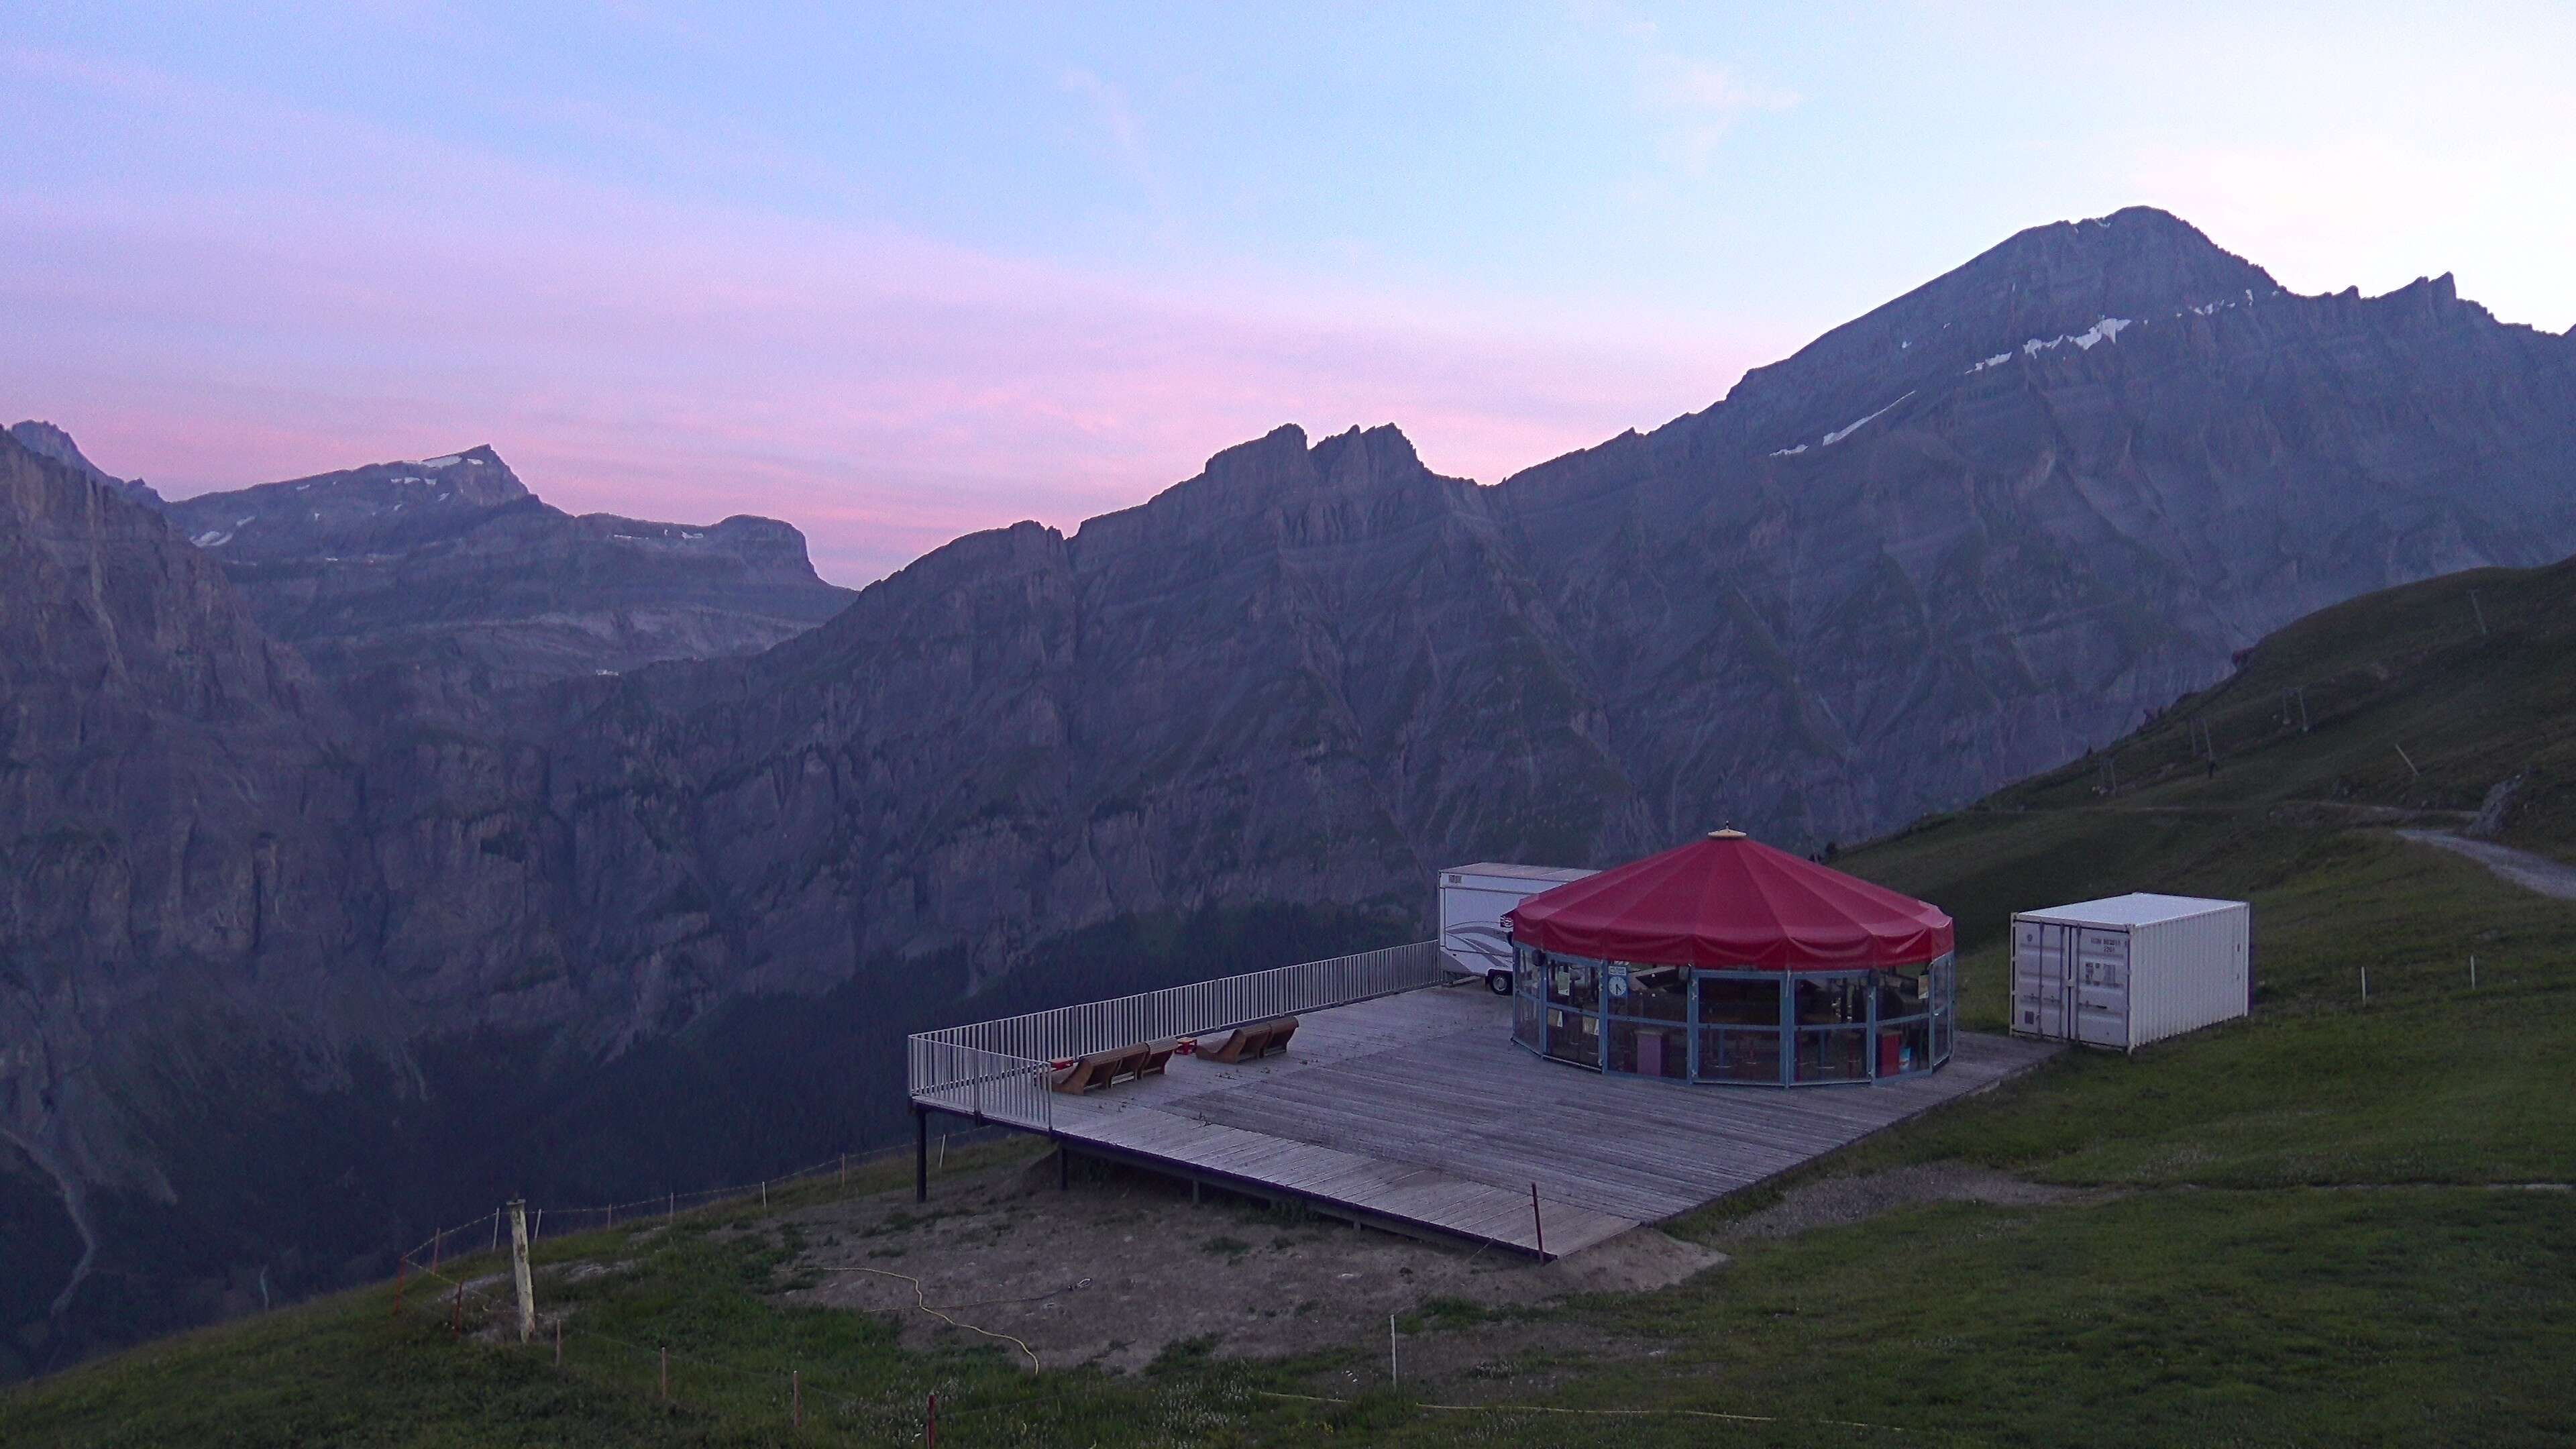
(1744, 1026)
(1733, 1055)
(1655, 993)
(1739, 1026)
(1573, 1021)
(1834, 1055)
(1903, 1043)
(1526, 1000)
(1648, 1050)
(1945, 1005)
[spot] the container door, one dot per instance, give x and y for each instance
(2102, 988)
(2040, 952)
(2026, 975)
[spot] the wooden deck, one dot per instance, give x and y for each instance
(1418, 1112)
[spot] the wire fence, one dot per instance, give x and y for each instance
(486, 1233)
(999, 1070)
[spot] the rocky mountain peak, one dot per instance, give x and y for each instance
(1278, 489)
(47, 441)
(2067, 283)
(1363, 457)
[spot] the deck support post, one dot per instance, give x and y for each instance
(920, 1154)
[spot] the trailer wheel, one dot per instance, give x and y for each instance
(1499, 982)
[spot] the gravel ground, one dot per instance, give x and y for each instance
(1124, 1265)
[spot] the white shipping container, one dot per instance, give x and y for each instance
(2130, 970)
(1473, 899)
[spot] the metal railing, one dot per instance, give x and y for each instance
(998, 1070)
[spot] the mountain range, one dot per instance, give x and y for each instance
(385, 841)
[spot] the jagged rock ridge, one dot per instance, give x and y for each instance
(449, 566)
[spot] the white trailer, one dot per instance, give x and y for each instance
(1472, 901)
(2130, 970)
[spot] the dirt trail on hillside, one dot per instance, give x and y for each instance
(2521, 867)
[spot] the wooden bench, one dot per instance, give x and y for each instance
(1250, 1043)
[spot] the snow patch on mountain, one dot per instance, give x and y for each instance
(2106, 330)
(1838, 434)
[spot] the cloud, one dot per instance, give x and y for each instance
(1699, 101)
(1117, 121)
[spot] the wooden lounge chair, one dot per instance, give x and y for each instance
(1157, 1059)
(1102, 1069)
(1248, 1043)
(1093, 1072)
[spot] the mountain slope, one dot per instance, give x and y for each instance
(1983, 527)
(181, 847)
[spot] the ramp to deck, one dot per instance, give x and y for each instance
(1418, 1112)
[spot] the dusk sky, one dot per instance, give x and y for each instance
(896, 273)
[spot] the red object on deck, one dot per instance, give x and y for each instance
(1891, 1054)
(1730, 901)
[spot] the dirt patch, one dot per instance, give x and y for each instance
(1125, 1266)
(1838, 1201)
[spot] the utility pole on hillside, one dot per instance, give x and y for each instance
(519, 1268)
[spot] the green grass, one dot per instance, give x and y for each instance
(2406, 1316)
(2297, 1229)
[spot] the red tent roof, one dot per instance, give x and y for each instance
(1732, 901)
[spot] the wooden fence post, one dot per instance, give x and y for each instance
(519, 1277)
(1538, 1224)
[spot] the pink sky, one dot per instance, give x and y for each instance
(882, 394)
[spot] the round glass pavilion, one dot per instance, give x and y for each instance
(1728, 961)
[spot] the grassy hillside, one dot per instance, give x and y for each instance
(2330, 1224)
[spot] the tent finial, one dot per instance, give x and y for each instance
(1726, 832)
